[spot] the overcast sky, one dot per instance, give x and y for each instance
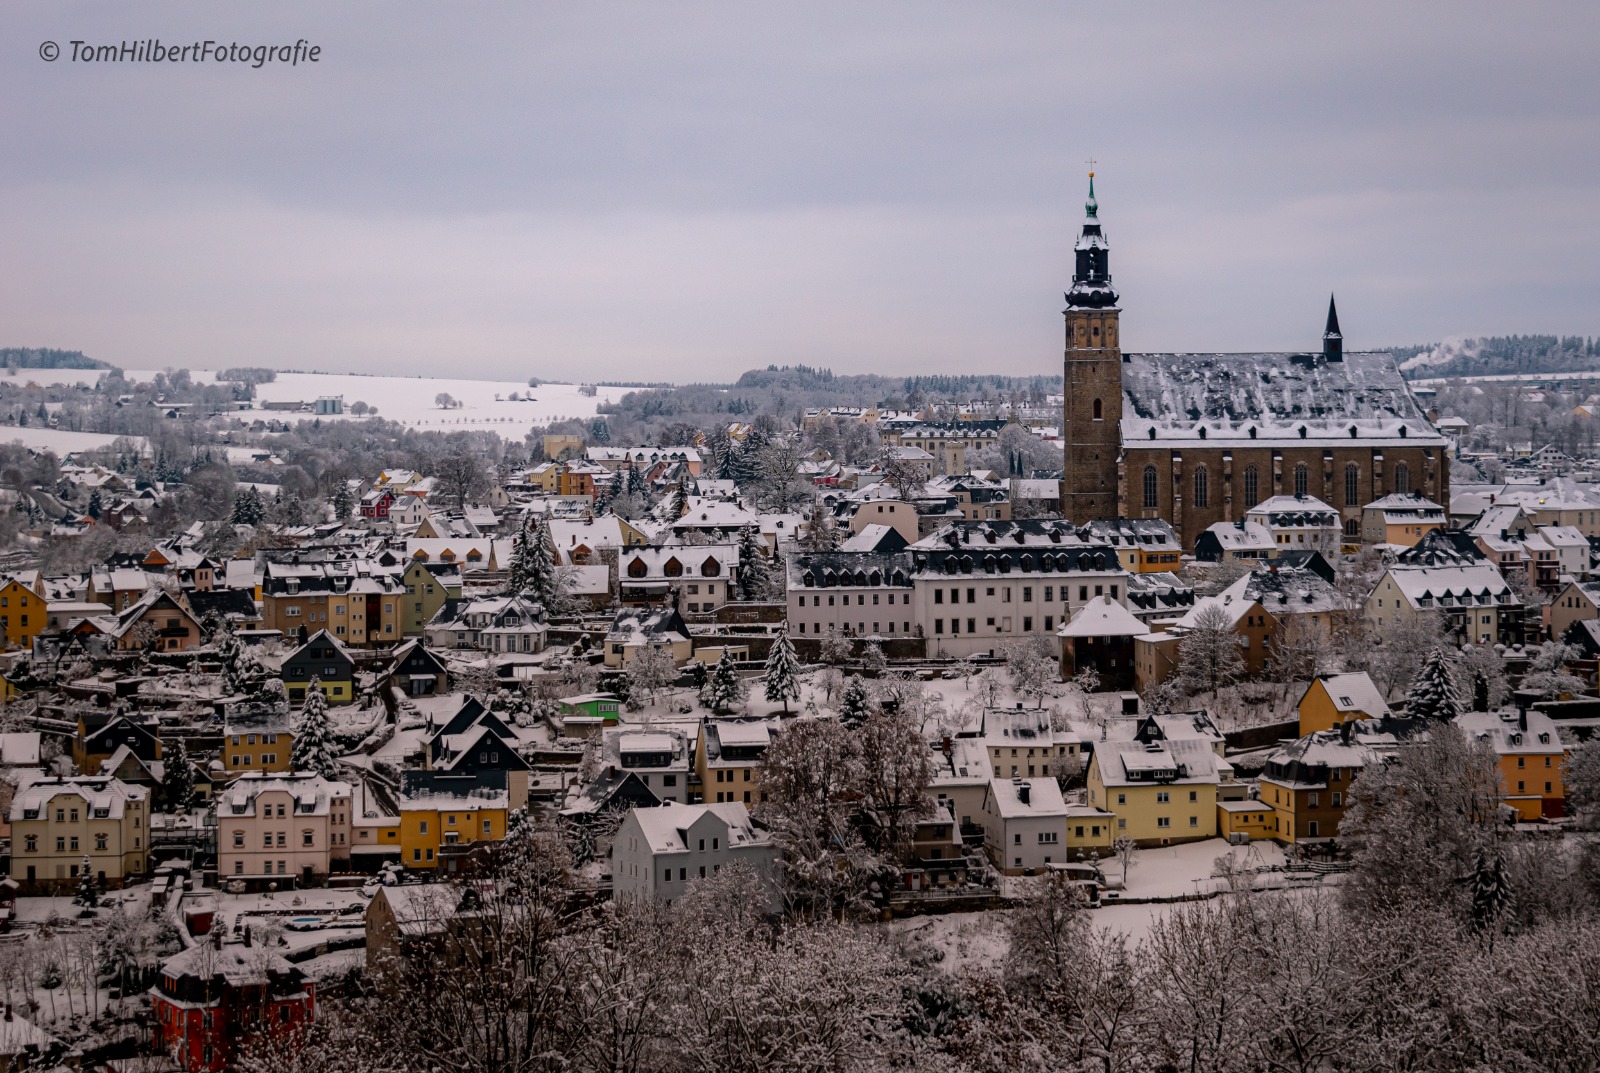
(679, 191)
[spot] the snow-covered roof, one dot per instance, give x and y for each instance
(1294, 512)
(100, 793)
(1103, 617)
(666, 827)
(1242, 536)
(1044, 798)
(1255, 400)
(1355, 692)
(1511, 733)
(1178, 760)
(1426, 586)
(1401, 507)
(312, 794)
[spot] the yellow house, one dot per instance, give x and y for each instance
(1252, 819)
(728, 761)
(23, 611)
(1090, 831)
(256, 740)
(1531, 759)
(437, 828)
(1143, 545)
(1401, 519)
(428, 586)
(57, 824)
(1307, 784)
(1162, 793)
(1332, 699)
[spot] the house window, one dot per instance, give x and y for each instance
(1150, 500)
(1163, 821)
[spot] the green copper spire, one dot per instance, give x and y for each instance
(1091, 207)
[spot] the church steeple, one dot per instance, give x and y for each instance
(1091, 411)
(1091, 276)
(1332, 339)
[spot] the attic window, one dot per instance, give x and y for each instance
(1302, 432)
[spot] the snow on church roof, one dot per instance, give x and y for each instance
(1220, 398)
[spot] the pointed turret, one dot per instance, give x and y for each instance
(1091, 277)
(1332, 340)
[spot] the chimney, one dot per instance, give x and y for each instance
(1344, 730)
(1023, 790)
(247, 935)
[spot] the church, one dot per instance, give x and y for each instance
(1198, 439)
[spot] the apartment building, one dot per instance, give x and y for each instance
(288, 828)
(59, 823)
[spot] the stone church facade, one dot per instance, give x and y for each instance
(1198, 439)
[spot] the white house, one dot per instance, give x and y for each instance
(658, 852)
(1024, 824)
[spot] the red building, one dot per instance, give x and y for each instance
(376, 503)
(217, 997)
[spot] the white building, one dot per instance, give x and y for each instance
(292, 826)
(1299, 523)
(1024, 824)
(966, 589)
(658, 852)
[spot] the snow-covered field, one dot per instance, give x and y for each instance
(485, 404)
(60, 441)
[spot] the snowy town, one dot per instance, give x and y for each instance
(875, 713)
(810, 538)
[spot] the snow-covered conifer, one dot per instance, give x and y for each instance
(313, 739)
(782, 673)
(1433, 694)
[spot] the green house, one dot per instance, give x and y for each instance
(598, 706)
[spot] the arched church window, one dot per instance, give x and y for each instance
(1201, 489)
(1402, 478)
(1302, 478)
(1352, 485)
(1150, 487)
(1252, 494)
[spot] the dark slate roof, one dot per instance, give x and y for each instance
(1221, 398)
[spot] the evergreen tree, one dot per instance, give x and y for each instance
(249, 508)
(821, 533)
(177, 780)
(680, 498)
(313, 739)
(755, 578)
(95, 504)
(520, 550)
(344, 501)
(1433, 693)
(543, 573)
(724, 689)
(854, 703)
(782, 673)
(88, 894)
(1493, 899)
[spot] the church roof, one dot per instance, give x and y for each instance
(1259, 400)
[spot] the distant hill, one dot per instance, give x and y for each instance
(1500, 355)
(47, 358)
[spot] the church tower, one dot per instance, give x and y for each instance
(1091, 415)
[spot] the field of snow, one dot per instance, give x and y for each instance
(485, 404)
(60, 441)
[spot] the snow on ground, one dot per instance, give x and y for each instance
(1188, 868)
(61, 441)
(409, 399)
